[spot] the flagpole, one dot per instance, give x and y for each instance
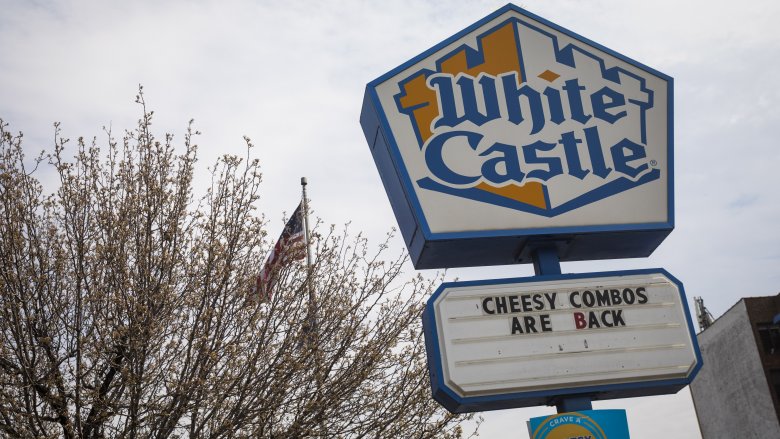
(314, 334)
(312, 315)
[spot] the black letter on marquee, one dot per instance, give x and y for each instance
(571, 299)
(516, 326)
(530, 324)
(484, 305)
(617, 317)
(642, 296)
(546, 324)
(500, 305)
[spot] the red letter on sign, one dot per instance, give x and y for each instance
(579, 320)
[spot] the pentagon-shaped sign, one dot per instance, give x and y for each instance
(516, 130)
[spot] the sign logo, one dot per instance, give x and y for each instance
(515, 129)
(590, 424)
(567, 426)
(524, 117)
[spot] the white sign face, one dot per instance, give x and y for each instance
(502, 337)
(519, 124)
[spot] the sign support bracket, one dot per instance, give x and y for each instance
(573, 404)
(546, 260)
(546, 263)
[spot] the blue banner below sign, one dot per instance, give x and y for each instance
(592, 424)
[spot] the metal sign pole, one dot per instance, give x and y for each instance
(546, 263)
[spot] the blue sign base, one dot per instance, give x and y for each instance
(595, 424)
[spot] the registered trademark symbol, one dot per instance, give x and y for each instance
(653, 163)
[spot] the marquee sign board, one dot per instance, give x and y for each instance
(514, 130)
(523, 342)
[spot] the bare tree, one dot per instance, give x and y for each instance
(125, 308)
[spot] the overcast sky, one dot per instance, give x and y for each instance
(291, 76)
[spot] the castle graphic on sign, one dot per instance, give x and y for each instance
(521, 129)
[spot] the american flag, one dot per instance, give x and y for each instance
(289, 247)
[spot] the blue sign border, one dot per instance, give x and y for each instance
(458, 404)
(495, 247)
